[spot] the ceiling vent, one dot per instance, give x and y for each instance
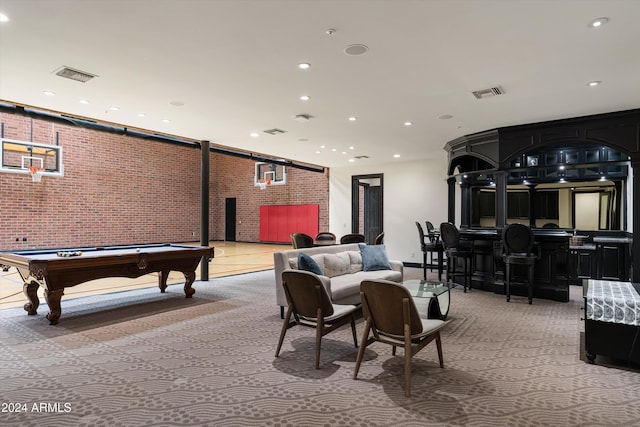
(361, 157)
(488, 93)
(274, 131)
(302, 118)
(77, 75)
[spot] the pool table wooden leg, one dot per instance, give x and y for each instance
(53, 299)
(31, 292)
(189, 278)
(162, 280)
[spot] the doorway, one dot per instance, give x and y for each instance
(230, 219)
(367, 205)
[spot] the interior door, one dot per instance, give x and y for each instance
(230, 219)
(367, 207)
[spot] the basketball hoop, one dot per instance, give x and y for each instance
(36, 173)
(263, 185)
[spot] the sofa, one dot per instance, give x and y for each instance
(341, 267)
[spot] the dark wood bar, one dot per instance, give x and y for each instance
(571, 181)
(550, 272)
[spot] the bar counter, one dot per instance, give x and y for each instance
(550, 272)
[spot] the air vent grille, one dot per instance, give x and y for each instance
(274, 131)
(77, 75)
(488, 93)
(361, 157)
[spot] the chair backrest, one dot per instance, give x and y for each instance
(421, 235)
(301, 240)
(305, 293)
(352, 238)
(379, 239)
(326, 236)
(450, 235)
(431, 231)
(382, 300)
(517, 238)
(550, 225)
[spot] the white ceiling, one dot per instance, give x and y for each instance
(233, 63)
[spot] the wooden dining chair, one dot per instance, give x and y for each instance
(301, 240)
(392, 318)
(310, 305)
(352, 238)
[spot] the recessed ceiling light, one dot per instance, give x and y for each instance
(396, 155)
(114, 108)
(333, 149)
(176, 103)
(323, 146)
(408, 123)
(445, 117)
(352, 119)
(352, 148)
(317, 151)
(254, 134)
(166, 120)
(594, 83)
(352, 160)
(84, 101)
(141, 114)
(4, 18)
(305, 97)
(49, 93)
(344, 152)
(598, 22)
(304, 65)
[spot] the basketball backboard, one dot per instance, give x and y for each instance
(269, 174)
(19, 156)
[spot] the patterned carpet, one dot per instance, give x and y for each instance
(141, 358)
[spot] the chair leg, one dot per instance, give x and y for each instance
(363, 345)
(285, 326)
(508, 274)
(353, 329)
(439, 346)
(530, 284)
(424, 265)
(319, 327)
(466, 275)
(407, 362)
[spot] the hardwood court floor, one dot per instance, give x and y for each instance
(229, 258)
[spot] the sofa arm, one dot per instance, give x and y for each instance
(397, 266)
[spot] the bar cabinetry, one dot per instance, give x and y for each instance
(550, 271)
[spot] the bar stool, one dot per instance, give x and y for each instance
(517, 249)
(455, 250)
(428, 247)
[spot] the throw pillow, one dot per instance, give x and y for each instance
(336, 264)
(374, 257)
(306, 263)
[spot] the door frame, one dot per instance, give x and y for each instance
(355, 199)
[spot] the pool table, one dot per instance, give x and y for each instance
(56, 269)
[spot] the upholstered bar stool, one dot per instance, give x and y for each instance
(518, 249)
(429, 246)
(455, 250)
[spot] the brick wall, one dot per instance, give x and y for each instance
(119, 189)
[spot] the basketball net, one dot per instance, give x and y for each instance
(263, 184)
(36, 173)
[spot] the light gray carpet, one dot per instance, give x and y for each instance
(141, 358)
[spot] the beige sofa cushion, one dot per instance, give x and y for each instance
(336, 264)
(355, 261)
